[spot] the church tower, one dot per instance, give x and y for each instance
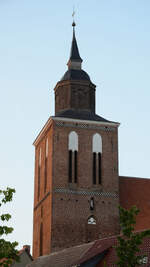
(76, 167)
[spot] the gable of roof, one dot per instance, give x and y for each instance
(106, 248)
(99, 246)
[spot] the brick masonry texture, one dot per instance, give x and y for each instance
(136, 191)
(64, 208)
(65, 215)
(74, 95)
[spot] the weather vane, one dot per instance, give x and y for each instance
(73, 14)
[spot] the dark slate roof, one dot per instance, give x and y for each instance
(74, 53)
(81, 115)
(72, 74)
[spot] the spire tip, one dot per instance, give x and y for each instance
(73, 14)
(73, 24)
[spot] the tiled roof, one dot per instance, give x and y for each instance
(63, 258)
(110, 258)
(98, 247)
(78, 255)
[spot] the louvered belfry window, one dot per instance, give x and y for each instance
(94, 168)
(70, 166)
(73, 158)
(97, 159)
(75, 166)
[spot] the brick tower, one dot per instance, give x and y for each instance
(76, 167)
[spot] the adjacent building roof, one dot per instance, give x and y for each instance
(89, 255)
(99, 246)
(63, 258)
(107, 244)
(24, 257)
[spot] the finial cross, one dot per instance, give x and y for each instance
(73, 14)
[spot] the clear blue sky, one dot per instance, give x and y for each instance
(35, 39)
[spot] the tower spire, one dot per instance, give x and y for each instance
(75, 60)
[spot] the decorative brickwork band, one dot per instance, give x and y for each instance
(86, 126)
(86, 193)
(83, 193)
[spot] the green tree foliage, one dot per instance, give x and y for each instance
(129, 241)
(8, 251)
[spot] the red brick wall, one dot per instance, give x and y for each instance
(43, 204)
(71, 211)
(65, 214)
(45, 219)
(74, 94)
(136, 191)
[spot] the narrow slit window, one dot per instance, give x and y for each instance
(45, 174)
(70, 166)
(41, 212)
(46, 165)
(99, 168)
(92, 203)
(75, 166)
(39, 180)
(41, 239)
(39, 174)
(72, 157)
(94, 168)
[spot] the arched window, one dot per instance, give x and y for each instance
(97, 158)
(91, 220)
(97, 143)
(73, 157)
(73, 141)
(39, 172)
(46, 160)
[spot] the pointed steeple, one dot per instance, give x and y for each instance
(75, 92)
(75, 60)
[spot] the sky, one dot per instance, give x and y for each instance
(35, 40)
